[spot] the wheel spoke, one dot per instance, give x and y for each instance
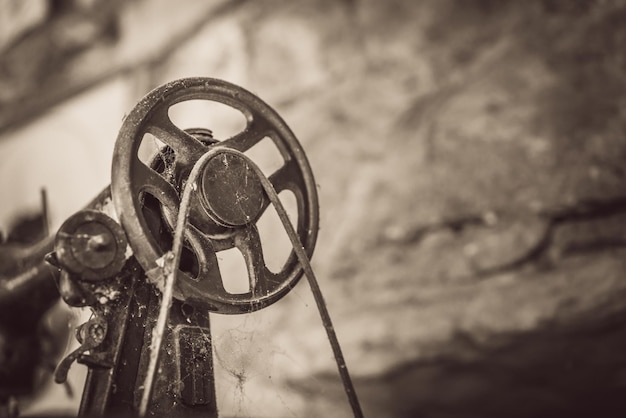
(248, 241)
(187, 148)
(207, 286)
(147, 180)
(255, 131)
(288, 177)
(208, 270)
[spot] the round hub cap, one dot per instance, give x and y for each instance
(232, 193)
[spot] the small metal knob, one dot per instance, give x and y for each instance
(91, 245)
(231, 192)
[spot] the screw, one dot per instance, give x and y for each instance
(97, 332)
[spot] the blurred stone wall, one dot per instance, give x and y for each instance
(17, 17)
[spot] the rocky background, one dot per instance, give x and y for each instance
(469, 157)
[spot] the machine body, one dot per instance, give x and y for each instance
(110, 256)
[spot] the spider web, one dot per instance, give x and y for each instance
(262, 358)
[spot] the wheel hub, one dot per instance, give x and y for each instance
(231, 193)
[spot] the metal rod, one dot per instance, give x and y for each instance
(44, 212)
(171, 262)
(313, 283)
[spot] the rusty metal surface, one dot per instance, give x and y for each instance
(28, 289)
(132, 181)
(90, 264)
(91, 245)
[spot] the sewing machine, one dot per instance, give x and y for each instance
(142, 256)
